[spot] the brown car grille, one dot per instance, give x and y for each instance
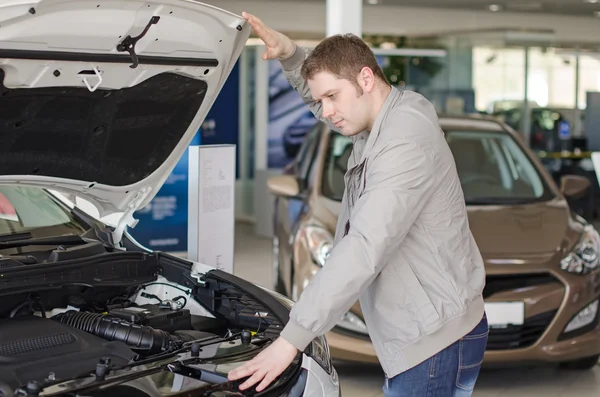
(500, 283)
(520, 336)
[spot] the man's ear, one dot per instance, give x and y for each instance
(366, 79)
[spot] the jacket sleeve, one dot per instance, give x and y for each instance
(291, 70)
(400, 181)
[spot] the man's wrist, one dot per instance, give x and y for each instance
(295, 60)
(287, 344)
(296, 335)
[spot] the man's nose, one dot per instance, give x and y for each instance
(328, 110)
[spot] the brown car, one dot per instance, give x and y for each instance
(543, 282)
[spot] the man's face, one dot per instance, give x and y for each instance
(341, 102)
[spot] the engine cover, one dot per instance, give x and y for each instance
(32, 347)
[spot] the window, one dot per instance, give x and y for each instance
(336, 164)
(492, 168)
(30, 209)
(305, 157)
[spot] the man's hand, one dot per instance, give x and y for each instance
(279, 46)
(266, 366)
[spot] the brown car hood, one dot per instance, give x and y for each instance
(529, 229)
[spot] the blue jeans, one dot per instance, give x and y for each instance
(450, 373)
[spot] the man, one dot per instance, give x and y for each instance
(402, 245)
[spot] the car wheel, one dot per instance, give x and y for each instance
(583, 363)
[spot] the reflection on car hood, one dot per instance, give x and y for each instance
(88, 110)
(527, 229)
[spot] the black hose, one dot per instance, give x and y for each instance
(142, 339)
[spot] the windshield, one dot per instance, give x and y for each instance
(491, 166)
(33, 210)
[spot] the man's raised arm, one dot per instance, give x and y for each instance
(291, 57)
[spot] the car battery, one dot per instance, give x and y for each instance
(155, 316)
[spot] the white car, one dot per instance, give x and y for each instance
(100, 99)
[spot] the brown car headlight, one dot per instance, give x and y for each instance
(320, 243)
(584, 259)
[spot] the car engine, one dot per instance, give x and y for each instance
(71, 327)
(74, 342)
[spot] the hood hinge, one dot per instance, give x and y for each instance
(127, 219)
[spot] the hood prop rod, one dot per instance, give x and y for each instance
(128, 43)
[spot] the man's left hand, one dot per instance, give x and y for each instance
(266, 366)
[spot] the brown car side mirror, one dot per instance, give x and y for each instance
(284, 185)
(574, 186)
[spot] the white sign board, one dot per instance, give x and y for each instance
(211, 205)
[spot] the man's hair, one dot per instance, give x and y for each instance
(344, 56)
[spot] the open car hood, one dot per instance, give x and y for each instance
(100, 99)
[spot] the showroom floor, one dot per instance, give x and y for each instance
(253, 262)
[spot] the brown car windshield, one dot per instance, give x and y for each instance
(33, 210)
(492, 167)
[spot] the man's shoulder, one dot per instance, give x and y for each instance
(411, 117)
(412, 106)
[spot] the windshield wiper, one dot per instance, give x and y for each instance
(67, 239)
(15, 236)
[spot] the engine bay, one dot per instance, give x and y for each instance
(69, 331)
(45, 346)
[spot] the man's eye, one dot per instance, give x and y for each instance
(332, 97)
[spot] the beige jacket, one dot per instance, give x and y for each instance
(403, 244)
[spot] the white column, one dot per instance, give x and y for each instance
(344, 16)
(263, 200)
(526, 121)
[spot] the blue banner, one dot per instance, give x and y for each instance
(163, 223)
(289, 119)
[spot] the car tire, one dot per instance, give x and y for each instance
(582, 364)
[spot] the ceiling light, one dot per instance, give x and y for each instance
(372, 2)
(495, 8)
(590, 1)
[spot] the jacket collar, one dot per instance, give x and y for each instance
(371, 137)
